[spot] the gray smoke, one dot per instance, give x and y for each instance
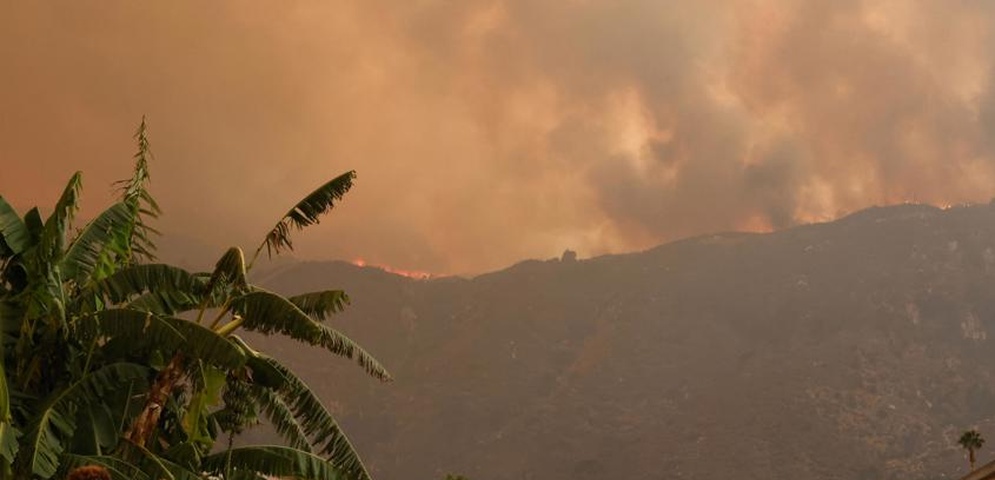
(489, 131)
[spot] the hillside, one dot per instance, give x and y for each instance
(856, 349)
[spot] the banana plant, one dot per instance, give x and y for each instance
(49, 375)
(112, 360)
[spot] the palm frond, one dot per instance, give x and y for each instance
(97, 428)
(266, 313)
(178, 471)
(164, 303)
(207, 392)
(54, 422)
(34, 223)
(229, 271)
(135, 194)
(321, 305)
(163, 333)
(317, 422)
(13, 231)
(54, 235)
(8, 441)
(156, 466)
(307, 212)
(183, 454)
(174, 284)
(335, 341)
(262, 373)
(96, 247)
(273, 461)
(281, 417)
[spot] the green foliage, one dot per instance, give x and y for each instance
(140, 203)
(13, 231)
(971, 441)
(101, 366)
(321, 305)
(139, 330)
(94, 252)
(53, 422)
(308, 417)
(268, 313)
(273, 461)
(307, 212)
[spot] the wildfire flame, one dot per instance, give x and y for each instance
(416, 274)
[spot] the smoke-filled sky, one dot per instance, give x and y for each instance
(488, 131)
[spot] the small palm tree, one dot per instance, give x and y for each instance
(971, 441)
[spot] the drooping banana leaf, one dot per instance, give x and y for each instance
(317, 423)
(164, 333)
(229, 271)
(321, 305)
(266, 313)
(102, 241)
(53, 423)
(143, 207)
(281, 418)
(53, 237)
(273, 461)
(12, 229)
(207, 394)
(154, 287)
(307, 212)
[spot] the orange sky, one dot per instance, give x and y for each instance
(486, 131)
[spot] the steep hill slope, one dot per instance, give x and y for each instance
(857, 349)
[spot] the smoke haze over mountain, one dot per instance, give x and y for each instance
(487, 131)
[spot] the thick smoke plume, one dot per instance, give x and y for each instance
(488, 131)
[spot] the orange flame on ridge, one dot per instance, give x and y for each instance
(416, 274)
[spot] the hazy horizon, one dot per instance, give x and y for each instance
(486, 132)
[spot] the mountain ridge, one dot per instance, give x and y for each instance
(856, 348)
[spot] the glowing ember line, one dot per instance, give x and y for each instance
(416, 274)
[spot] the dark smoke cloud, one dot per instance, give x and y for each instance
(487, 131)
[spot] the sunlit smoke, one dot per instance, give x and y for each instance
(488, 131)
